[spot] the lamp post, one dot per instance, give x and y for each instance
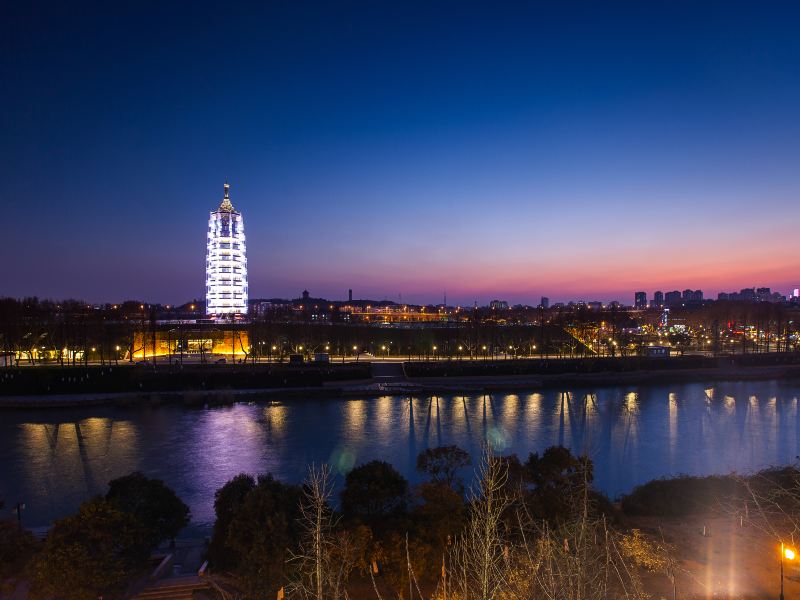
(20, 506)
(788, 553)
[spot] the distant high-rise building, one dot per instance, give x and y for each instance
(498, 305)
(349, 295)
(697, 295)
(545, 303)
(747, 294)
(640, 300)
(672, 298)
(796, 293)
(763, 294)
(658, 299)
(226, 260)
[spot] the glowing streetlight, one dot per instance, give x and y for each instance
(788, 554)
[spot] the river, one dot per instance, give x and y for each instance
(54, 459)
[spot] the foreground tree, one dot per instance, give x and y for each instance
(154, 505)
(263, 534)
(556, 478)
(374, 491)
(480, 558)
(442, 464)
(91, 553)
(579, 558)
(327, 554)
(16, 548)
(227, 501)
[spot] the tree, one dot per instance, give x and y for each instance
(154, 505)
(373, 491)
(479, 561)
(438, 517)
(227, 501)
(16, 548)
(263, 534)
(90, 553)
(326, 554)
(443, 463)
(556, 476)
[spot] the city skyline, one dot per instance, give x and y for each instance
(638, 148)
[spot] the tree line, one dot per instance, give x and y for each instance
(526, 528)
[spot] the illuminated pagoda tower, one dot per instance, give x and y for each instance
(226, 261)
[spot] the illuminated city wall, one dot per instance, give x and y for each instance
(226, 261)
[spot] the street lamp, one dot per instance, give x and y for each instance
(788, 554)
(20, 506)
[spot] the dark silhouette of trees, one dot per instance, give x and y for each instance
(91, 553)
(227, 501)
(154, 505)
(262, 534)
(442, 464)
(373, 491)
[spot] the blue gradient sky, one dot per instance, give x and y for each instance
(511, 150)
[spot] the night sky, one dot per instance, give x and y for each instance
(496, 150)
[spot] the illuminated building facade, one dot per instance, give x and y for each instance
(233, 343)
(226, 261)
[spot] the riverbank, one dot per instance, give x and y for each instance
(401, 385)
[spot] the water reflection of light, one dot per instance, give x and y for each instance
(510, 409)
(533, 408)
(275, 418)
(383, 416)
(54, 467)
(562, 416)
(627, 430)
(355, 417)
(730, 405)
(632, 401)
(673, 428)
(227, 441)
(67, 462)
(591, 418)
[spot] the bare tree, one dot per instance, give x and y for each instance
(326, 555)
(479, 560)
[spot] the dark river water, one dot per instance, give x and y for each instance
(54, 459)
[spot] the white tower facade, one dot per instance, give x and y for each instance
(226, 261)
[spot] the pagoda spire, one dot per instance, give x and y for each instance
(226, 205)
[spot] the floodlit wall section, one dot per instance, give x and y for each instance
(226, 262)
(215, 342)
